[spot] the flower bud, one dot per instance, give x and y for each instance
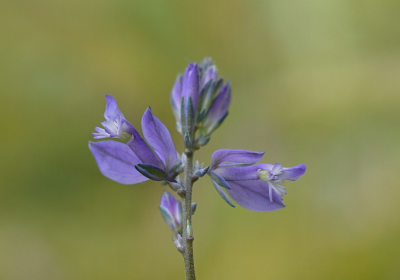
(190, 86)
(178, 242)
(189, 229)
(176, 97)
(171, 211)
(194, 206)
(200, 102)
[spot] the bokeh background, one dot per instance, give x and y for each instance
(314, 82)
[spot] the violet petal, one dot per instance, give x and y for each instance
(141, 149)
(157, 135)
(219, 106)
(116, 161)
(210, 74)
(254, 195)
(235, 157)
(238, 173)
(176, 97)
(288, 173)
(190, 86)
(112, 109)
(171, 210)
(293, 173)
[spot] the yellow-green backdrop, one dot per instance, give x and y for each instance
(314, 82)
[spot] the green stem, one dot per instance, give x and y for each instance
(187, 218)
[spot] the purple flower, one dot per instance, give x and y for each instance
(184, 87)
(255, 187)
(126, 163)
(171, 211)
(115, 125)
(190, 84)
(176, 98)
(217, 111)
(214, 101)
(208, 72)
(210, 97)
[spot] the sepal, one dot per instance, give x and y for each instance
(222, 194)
(190, 116)
(187, 119)
(204, 95)
(202, 140)
(201, 172)
(218, 179)
(179, 180)
(152, 172)
(183, 116)
(213, 127)
(175, 186)
(187, 140)
(194, 206)
(211, 94)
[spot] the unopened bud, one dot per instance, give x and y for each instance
(189, 229)
(194, 206)
(171, 211)
(178, 242)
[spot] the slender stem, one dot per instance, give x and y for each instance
(187, 218)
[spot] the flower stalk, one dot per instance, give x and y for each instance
(187, 217)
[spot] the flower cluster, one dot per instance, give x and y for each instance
(137, 159)
(255, 187)
(200, 101)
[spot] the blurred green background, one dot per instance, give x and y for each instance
(314, 82)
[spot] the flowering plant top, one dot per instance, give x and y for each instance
(200, 102)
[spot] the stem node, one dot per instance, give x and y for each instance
(188, 153)
(181, 193)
